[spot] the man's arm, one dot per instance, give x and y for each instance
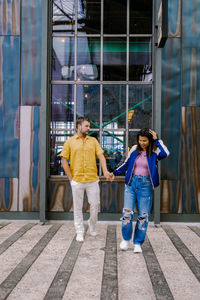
(104, 167)
(66, 168)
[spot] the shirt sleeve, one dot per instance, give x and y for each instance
(65, 151)
(99, 150)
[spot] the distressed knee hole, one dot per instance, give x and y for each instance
(127, 210)
(127, 216)
(142, 220)
(125, 220)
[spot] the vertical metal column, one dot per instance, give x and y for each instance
(127, 74)
(157, 101)
(44, 110)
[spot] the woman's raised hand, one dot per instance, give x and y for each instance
(154, 134)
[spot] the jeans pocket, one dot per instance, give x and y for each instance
(148, 181)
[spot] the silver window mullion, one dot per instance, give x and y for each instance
(75, 61)
(101, 86)
(127, 75)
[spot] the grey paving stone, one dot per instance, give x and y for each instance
(164, 251)
(109, 290)
(13, 238)
(189, 258)
(15, 276)
(159, 283)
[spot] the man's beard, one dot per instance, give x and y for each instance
(84, 133)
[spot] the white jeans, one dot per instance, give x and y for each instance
(93, 195)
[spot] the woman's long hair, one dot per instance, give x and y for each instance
(152, 146)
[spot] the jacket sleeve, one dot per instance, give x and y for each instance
(121, 169)
(161, 150)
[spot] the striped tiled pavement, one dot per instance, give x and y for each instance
(46, 262)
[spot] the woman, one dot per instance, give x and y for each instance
(141, 178)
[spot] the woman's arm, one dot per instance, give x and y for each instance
(162, 150)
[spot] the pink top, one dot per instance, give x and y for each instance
(141, 166)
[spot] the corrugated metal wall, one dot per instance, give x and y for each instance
(20, 99)
(20, 85)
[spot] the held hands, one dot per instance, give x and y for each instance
(109, 176)
(154, 134)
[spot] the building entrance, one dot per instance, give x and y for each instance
(102, 69)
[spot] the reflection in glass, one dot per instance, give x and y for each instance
(115, 16)
(140, 68)
(114, 59)
(113, 143)
(63, 16)
(141, 17)
(88, 58)
(88, 103)
(63, 58)
(114, 106)
(62, 122)
(140, 106)
(89, 16)
(132, 138)
(62, 105)
(58, 139)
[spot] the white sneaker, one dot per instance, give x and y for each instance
(124, 245)
(137, 248)
(79, 237)
(92, 229)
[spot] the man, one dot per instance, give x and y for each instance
(81, 150)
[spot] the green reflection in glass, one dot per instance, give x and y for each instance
(111, 134)
(92, 46)
(132, 107)
(114, 46)
(139, 47)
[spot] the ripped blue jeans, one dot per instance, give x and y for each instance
(139, 191)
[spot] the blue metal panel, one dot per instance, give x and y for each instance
(31, 52)
(9, 17)
(174, 18)
(191, 52)
(9, 194)
(190, 163)
(9, 103)
(190, 23)
(191, 76)
(35, 145)
(171, 106)
(35, 158)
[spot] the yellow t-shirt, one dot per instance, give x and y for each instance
(82, 157)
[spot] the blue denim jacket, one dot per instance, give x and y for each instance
(128, 166)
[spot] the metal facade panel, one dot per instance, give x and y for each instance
(191, 52)
(9, 194)
(9, 104)
(190, 160)
(174, 18)
(191, 76)
(9, 17)
(190, 23)
(29, 159)
(60, 196)
(31, 28)
(183, 195)
(171, 106)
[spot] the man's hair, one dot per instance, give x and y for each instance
(80, 120)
